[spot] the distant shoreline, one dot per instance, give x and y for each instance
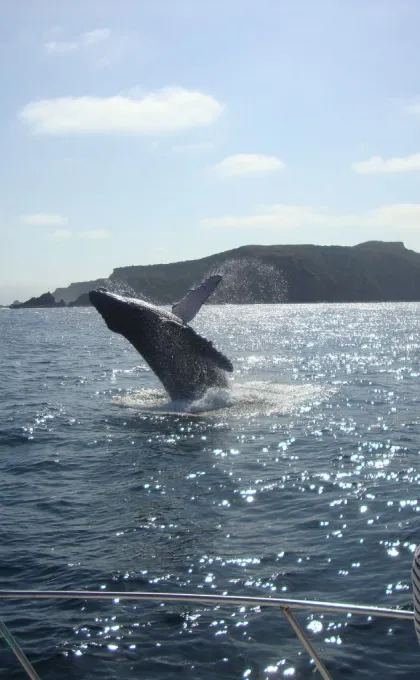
(242, 304)
(371, 272)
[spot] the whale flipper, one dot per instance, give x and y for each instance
(202, 346)
(187, 308)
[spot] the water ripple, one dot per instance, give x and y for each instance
(299, 481)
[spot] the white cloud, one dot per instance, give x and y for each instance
(379, 165)
(398, 216)
(60, 235)
(95, 37)
(164, 111)
(60, 47)
(43, 220)
(413, 108)
(95, 234)
(84, 41)
(65, 234)
(248, 163)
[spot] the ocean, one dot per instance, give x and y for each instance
(300, 481)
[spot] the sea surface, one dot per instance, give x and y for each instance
(300, 481)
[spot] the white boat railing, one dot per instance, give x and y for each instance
(284, 604)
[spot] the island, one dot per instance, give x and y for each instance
(374, 271)
(45, 300)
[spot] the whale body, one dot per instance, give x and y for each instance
(186, 363)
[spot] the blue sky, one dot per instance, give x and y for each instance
(139, 132)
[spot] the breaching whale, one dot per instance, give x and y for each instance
(185, 362)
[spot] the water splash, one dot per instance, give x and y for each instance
(249, 280)
(245, 281)
(243, 399)
(120, 287)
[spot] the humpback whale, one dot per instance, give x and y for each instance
(185, 362)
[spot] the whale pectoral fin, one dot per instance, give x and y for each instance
(203, 346)
(187, 308)
(208, 350)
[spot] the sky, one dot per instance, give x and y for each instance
(137, 132)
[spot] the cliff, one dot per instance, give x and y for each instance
(374, 271)
(368, 272)
(75, 290)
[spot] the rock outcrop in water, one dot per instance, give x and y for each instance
(82, 301)
(45, 300)
(75, 290)
(374, 271)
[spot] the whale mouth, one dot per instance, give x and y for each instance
(107, 305)
(105, 301)
(98, 296)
